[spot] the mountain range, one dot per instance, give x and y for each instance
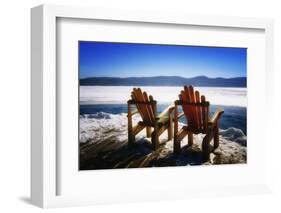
(165, 81)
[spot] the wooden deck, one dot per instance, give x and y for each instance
(111, 154)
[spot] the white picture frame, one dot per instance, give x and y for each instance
(44, 154)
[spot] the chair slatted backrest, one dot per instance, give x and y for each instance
(145, 104)
(195, 108)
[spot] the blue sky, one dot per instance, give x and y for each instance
(106, 59)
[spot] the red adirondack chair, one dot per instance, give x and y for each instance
(196, 111)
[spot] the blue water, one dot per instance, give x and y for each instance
(232, 117)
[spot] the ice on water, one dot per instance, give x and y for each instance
(120, 94)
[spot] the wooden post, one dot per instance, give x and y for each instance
(190, 138)
(131, 137)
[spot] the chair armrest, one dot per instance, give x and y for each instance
(167, 111)
(134, 113)
(165, 115)
(180, 115)
(216, 116)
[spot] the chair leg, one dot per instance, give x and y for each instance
(177, 145)
(170, 132)
(206, 148)
(216, 137)
(155, 138)
(177, 140)
(155, 142)
(190, 139)
(148, 131)
(132, 132)
(131, 138)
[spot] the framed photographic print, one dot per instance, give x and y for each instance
(148, 105)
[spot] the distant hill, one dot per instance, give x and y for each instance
(165, 81)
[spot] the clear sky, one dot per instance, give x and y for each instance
(106, 59)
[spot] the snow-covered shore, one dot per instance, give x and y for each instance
(100, 127)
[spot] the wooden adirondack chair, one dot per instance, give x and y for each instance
(196, 111)
(146, 106)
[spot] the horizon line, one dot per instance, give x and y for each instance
(161, 76)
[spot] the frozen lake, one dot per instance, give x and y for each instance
(164, 95)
